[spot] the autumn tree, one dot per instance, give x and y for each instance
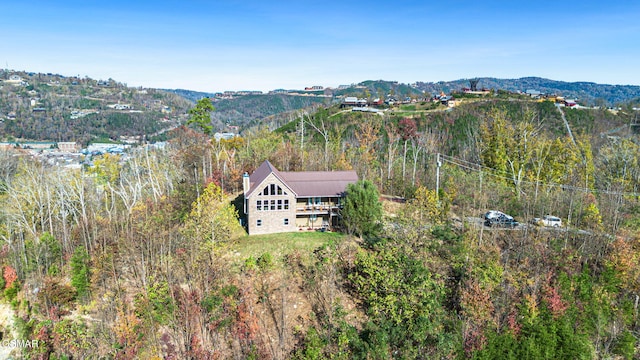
(508, 148)
(424, 207)
(322, 129)
(212, 218)
(409, 131)
(366, 138)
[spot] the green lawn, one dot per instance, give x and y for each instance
(283, 243)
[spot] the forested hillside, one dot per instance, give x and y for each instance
(146, 258)
(250, 110)
(36, 106)
(52, 107)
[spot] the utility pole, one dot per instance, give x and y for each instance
(438, 164)
(302, 137)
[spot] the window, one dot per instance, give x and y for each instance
(272, 189)
(286, 221)
(259, 222)
(314, 201)
(267, 205)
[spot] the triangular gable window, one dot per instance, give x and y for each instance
(272, 189)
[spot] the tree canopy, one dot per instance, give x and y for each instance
(200, 115)
(362, 212)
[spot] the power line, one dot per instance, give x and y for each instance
(475, 167)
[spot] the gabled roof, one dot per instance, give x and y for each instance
(261, 173)
(304, 183)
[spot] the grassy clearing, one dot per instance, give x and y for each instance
(281, 244)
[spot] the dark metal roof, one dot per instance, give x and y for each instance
(305, 183)
(319, 183)
(261, 173)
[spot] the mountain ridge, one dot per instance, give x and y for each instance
(53, 106)
(588, 92)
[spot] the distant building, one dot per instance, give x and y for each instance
(353, 101)
(68, 146)
(227, 136)
(533, 93)
(39, 145)
(101, 148)
(120, 106)
(14, 79)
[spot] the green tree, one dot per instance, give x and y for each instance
(362, 212)
(404, 302)
(45, 255)
(200, 115)
(80, 271)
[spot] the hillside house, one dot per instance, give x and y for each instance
(278, 201)
(570, 103)
(353, 101)
(15, 80)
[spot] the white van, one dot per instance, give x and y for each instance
(548, 220)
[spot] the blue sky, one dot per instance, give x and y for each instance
(263, 45)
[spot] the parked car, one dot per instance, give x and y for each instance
(494, 214)
(500, 220)
(548, 220)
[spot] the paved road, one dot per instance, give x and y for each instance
(479, 222)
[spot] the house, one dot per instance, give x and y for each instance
(533, 93)
(353, 101)
(278, 201)
(15, 80)
(120, 106)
